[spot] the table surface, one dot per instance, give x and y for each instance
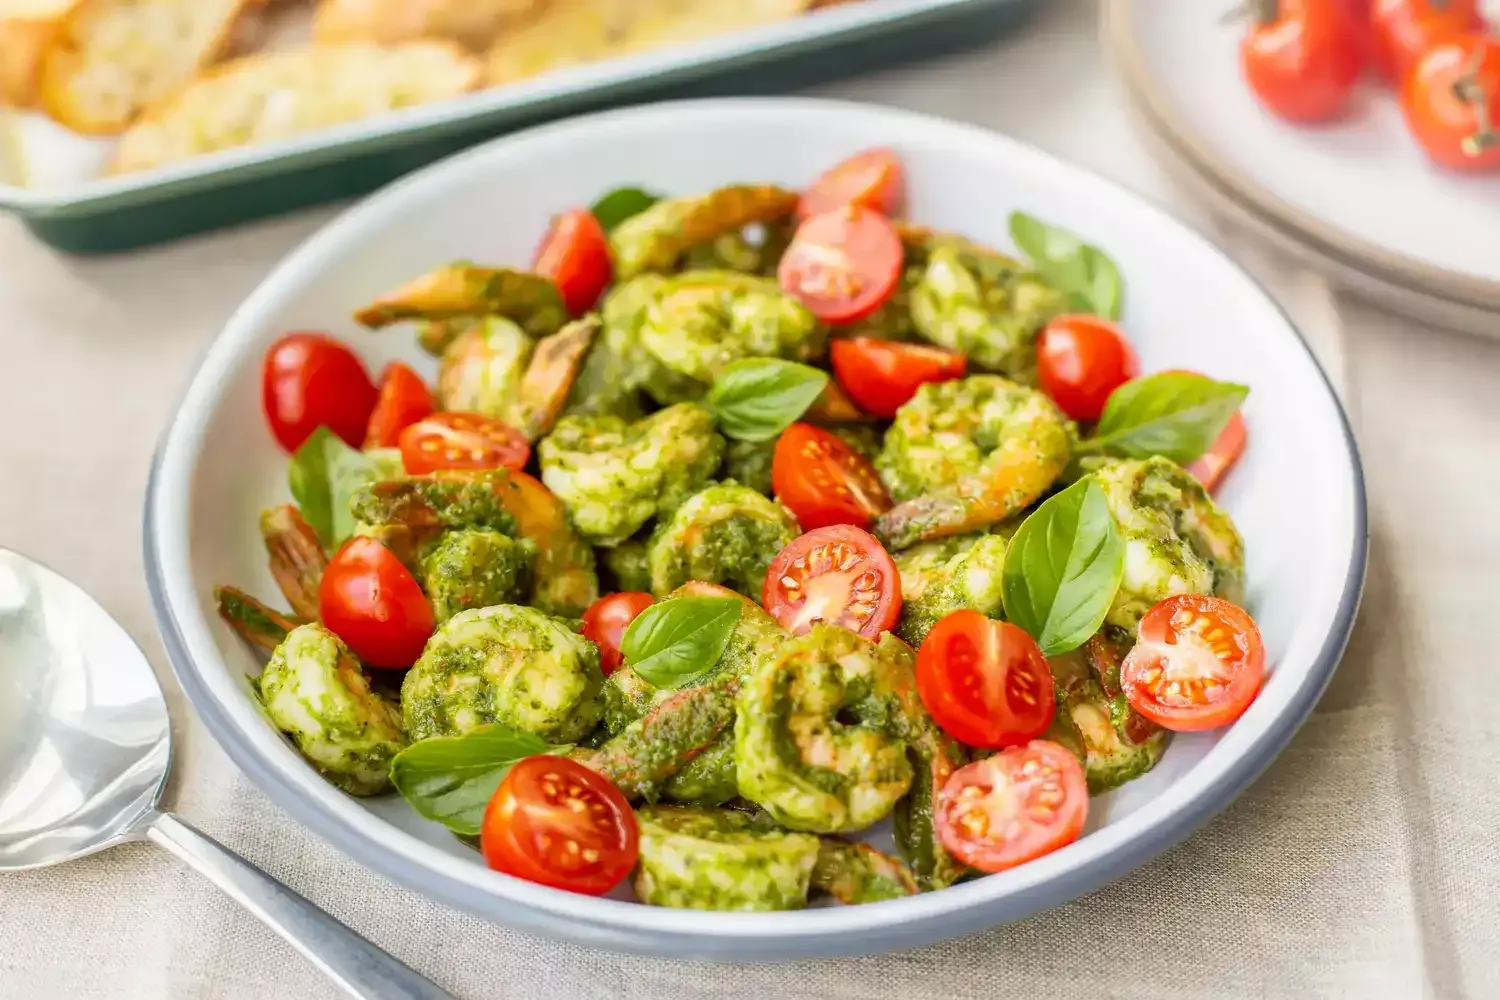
(1361, 864)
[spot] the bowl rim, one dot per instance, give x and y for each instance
(1087, 864)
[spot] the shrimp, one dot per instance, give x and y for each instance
(656, 239)
(708, 779)
(261, 626)
(725, 533)
(939, 578)
(508, 664)
(549, 378)
(755, 249)
(613, 477)
(749, 464)
(565, 578)
(718, 859)
(1118, 745)
(1177, 540)
(297, 558)
(482, 370)
(619, 368)
(434, 335)
(965, 455)
(466, 289)
(408, 514)
(475, 568)
(314, 691)
(857, 873)
(628, 564)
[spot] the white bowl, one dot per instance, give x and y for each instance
(1298, 495)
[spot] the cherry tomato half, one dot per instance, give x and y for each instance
(1018, 805)
(1452, 103)
(404, 399)
(985, 682)
(1402, 31)
(462, 441)
(843, 265)
(882, 375)
(1080, 361)
(1198, 664)
(1213, 465)
(310, 380)
(606, 620)
(839, 575)
(575, 255)
(554, 821)
(1302, 58)
(823, 481)
(372, 602)
(874, 179)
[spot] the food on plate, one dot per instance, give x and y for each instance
(1402, 31)
(924, 592)
(386, 22)
(1452, 103)
(1301, 58)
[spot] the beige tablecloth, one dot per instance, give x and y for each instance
(1363, 864)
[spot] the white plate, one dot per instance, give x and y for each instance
(1298, 496)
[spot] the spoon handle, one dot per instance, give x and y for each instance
(363, 970)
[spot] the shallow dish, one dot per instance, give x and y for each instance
(1298, 495)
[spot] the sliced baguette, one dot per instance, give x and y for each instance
(263, 98)
(26, 26)
(469, 22)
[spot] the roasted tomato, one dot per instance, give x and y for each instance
(1080, 361)
(575, 255)
(1018, 805)
(985, 682)
(844, 264)
(882, 375)
(462, 441)
(1198, 664)
(839, 575)
(606, 620)
(404, 399)
(873, 179)
(1452, 103)
(823, 481)
(372, 602)
(1302, 58)
(310, 380)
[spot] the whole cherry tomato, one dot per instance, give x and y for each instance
(1080, 361)
(404, 399)
(1198, 664)
(874, 179)
(575, 255)
(844, 264)
(882, 375)
(606, 620)
(372, 602)
(310, 380)
(1008, 809)
(1452, 103)
(1301, 58)
(1402, 31)
(823, 481)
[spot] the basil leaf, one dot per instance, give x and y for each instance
(451, 779)
(620, 204)
(1085, 273)
(756, 399)
(1175, 414)
(1063, 567)
(325, 472)
(674, 642)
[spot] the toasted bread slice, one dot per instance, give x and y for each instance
(268, 97)
(470, 22)
(571, 32)
(26, 26)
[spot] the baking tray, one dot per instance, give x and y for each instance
(119, 213)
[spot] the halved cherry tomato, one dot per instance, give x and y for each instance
(1198, 664)
(371, 601)
(1080, 361)
(554, 821)
(985, 682)
(462, 441)
(1213, 465)
(843, 264)
(882, 375)
(873, 179)
(1402, 31)
(575, 255)
(839, 575)
(404, 399)
(1452, 103)
(606, 620)
(1011, 808)
(823, 481)
(310, 380)
(1302, 58)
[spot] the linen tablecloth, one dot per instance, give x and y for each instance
(1363, 864)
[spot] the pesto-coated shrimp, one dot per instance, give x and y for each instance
(508, 664)
(482, 369)
(434, 335)
(656, 239)
(708, 779)
(550, 376)
(408, 514)
(565, 578)
(948, 575)
(1177, 540)
(475, 568)
(857, 873)
(1112, 753)
(613, 477)
(314, 691)
(967, 454)
(755, 249)
(465, 289)
(717, 859)
(258, 624)
(628, 565)
(725, 533)
(749, 463)
(296, 556)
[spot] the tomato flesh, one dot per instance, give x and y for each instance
(882, 376)
(404, 399)
(1303, 64)
(844, 264)
(310, 380)
(556, 822)
(1452, 104)
(606, 620)
(1198, 664)
(985, 682)
(1080, 361)
(873, 179)
(1212, 466)
(823, 481)
(839, 575)
(575, 255)
(371, 601)
(1011, 808)
(462, 441)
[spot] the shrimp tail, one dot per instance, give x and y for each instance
(258, 624)
(649, 751)
(296, 556)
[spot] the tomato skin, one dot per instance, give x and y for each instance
(371, 601)
(310, 380)
(606, 620)
(575, 255)
(1402, 31)
(985, 682)
(1303, 63)
(1080, 361)
(1450, 127)
(556, 822)
(1011, 808)
(823, 481)
(462, 441)
(1198, 664)
(864, 598)
(872, 178)
(1212, 466)
(882, 375)
(844, 264)
(404, 399)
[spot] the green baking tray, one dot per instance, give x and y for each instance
(121, 213)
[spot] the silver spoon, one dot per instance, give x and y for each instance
(84, 749)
